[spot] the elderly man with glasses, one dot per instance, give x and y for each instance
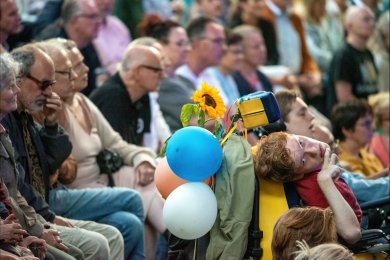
(40, 151)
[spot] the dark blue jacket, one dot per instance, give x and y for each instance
(245, 88)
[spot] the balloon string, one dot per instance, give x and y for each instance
(195, 249)
(228, 134)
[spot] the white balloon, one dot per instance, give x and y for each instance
(190, 210)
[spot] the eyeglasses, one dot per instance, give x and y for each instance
(68, 71)
(218, 41)
(182, 43)
(18, 80)
(236, 52)
(91, 16)
(156, 70)
(366, 124)
(43, 85)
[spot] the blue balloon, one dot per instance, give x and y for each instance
(193, 153)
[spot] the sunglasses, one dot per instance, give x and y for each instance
(43, 85)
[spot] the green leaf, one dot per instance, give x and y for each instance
(164, 148)
(217, 128)
(202, 118)
(187, 112)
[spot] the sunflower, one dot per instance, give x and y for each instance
(210, 101)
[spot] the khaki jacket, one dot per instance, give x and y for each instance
(234, 190)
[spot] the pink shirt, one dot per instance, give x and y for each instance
(111, 42)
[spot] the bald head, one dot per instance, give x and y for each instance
(360, 25)
(53, 50)
(360, 21)
(140, 55)
(141, 70)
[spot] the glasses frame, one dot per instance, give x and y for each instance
(91, 16)
(68, 71)
(182, 43)
(43, 85)
(218, 41)
(156, 70)
(18, 80)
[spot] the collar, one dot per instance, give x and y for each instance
(186, 72)
(274, 8)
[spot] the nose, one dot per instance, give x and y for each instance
(311, 115)
(86, 67)
(311, 149)
(74, 75)
(188, 47)
(224, 47)
(16, 89)
(48, 91)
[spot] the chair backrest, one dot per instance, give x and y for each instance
(273, 204)
(275, 199)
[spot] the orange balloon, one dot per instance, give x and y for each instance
(165, 179)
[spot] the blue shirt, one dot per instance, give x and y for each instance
(367, 190)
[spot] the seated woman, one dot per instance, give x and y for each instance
(249, 78)
(311, 166)
(11, 232)
(314, 225)
(353, 127)
(380, 143)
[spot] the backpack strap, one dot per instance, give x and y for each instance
(292, 196)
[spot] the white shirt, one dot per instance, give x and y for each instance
(186, 72)
(289, 43)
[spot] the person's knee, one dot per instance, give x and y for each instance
(133, 202)
(96, 247)
(128, 223)
(130, 227)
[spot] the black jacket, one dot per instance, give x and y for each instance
(53, 147)
(130, 119)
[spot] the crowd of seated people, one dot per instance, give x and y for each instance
(82, 76)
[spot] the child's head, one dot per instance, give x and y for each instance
(322, 252)
(311, 224)
(285, 157)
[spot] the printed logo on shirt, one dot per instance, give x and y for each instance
(140, 126)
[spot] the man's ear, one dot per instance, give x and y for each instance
(135, 73)
(285, 124)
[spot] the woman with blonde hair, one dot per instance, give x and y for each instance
(380, 104)
(315, 225)
(379, 44)
(322, 252)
